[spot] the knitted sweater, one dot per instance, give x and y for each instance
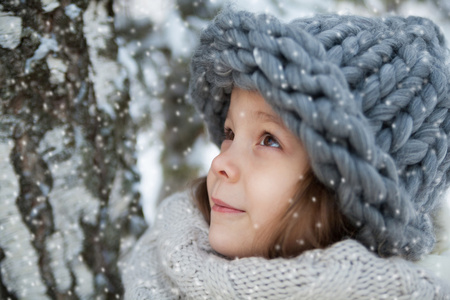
(173, 260)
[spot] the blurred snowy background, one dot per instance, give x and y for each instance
(156, 41)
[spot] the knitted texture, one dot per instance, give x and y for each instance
(173, 260)
(367, 97)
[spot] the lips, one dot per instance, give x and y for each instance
(220, 206)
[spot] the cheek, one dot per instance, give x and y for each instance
(272, 194)
(209, 180)
(270, 200)
(281, 183)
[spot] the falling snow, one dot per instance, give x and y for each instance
(155, 40)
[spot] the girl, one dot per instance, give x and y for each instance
(257, 184)
(334, 158)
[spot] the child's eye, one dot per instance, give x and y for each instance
(228, 133)
(270, 141)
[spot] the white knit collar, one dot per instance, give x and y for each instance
(196, 271)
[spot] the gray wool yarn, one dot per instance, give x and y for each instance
(368, 98)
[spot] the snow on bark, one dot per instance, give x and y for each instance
(118, 203)
(85, 279)
(72, 11)
(105, 73)
(46, 45)
(73, 150)
(58, 70)
(71, 202)
(49, 5)
(55, 246)
(10, 30)
(19, 268)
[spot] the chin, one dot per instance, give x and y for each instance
(225, 247)
(230, 249)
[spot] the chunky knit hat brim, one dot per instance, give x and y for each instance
(367, 97)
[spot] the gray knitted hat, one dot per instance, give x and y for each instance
(368, 98)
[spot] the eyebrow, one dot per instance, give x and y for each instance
(269, 117)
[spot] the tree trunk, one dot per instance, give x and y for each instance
(69, 206)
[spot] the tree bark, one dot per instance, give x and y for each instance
(69, 207)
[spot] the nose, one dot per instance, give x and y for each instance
(225, 165)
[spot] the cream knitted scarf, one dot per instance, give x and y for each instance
(173, 260)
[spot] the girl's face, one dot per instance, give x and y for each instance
(252, 180)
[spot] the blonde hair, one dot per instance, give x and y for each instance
(313, 220)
